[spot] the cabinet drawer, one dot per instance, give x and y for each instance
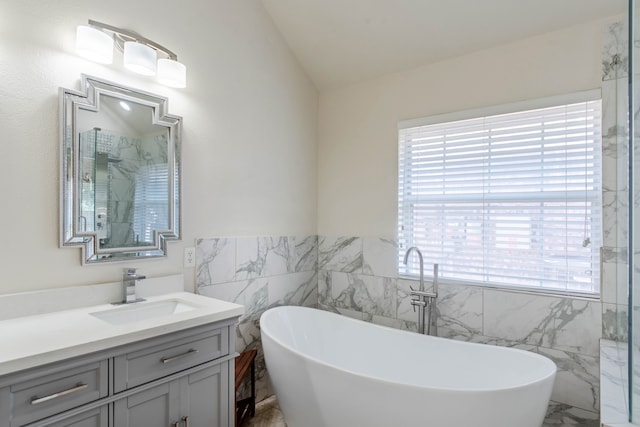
(157, 361)
(58, 391)
(96, 417)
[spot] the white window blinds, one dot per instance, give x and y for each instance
(152, 204)
(510, 199)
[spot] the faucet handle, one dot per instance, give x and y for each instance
(412, 298)
(130, 273)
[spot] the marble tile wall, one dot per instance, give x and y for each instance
(615, 277)
(614, 382)
(259, 273)
(615, 195)
(615, 308)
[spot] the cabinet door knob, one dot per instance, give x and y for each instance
(185, 420)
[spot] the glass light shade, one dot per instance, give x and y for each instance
(93, 44)
(140, 58)
(172, 73)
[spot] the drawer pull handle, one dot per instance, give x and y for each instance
(185, 420)
(36, 400)
(180, 356)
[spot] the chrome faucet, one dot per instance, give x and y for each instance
(425, 301)
(129, 279)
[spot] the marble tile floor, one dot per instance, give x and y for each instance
(268, 415)
(560, 415)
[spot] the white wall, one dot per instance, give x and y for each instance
(249, 150)
(357, 142)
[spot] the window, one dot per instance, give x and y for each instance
(508, 197)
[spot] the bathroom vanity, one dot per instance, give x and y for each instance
(168, 361)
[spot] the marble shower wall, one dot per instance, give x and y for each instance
(119, 166)
(615, 194)
(259, 273)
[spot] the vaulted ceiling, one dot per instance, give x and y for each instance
(339, 42)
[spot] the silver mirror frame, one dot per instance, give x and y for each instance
(71, 233)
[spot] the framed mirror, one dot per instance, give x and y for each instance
(120, 172)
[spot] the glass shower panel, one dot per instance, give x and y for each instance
(87, 174)
(633, 194)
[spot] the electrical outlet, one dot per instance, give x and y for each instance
(189, 257)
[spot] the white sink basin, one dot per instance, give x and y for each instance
(143, 311)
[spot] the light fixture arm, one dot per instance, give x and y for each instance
(121, 36)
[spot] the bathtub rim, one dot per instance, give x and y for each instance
(547, 361)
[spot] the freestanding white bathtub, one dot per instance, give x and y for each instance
(333, 371)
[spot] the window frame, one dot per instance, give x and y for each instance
(555, 101)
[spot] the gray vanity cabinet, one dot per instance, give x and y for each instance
(180, 379)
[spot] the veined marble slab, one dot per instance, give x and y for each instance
(259, 273)
(613, 384)
(614, 53)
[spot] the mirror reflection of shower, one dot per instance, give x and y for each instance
(124, 187)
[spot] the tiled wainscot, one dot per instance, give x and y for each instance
(259, 273)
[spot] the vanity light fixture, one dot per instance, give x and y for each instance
(95, 42)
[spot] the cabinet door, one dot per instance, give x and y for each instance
(98, 417)
(200, 399)
(205, 397)
(155, 407)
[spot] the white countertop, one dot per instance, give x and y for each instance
(37, 339)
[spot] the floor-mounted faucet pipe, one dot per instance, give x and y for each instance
(432, 307)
